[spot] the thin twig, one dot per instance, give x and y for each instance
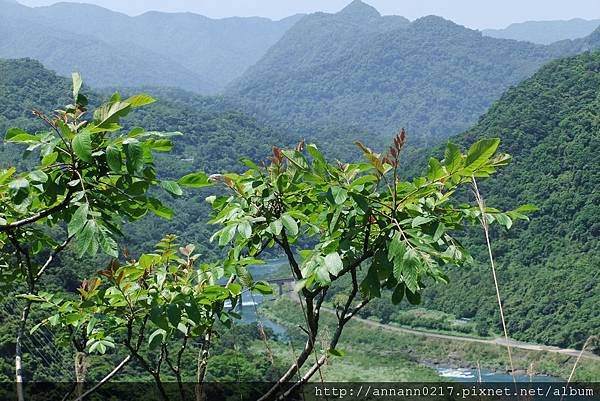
(577, 361)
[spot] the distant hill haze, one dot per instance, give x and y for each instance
(182, 50)
(545, 32)
(359, 71)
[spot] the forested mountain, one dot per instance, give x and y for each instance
(548, 268)
(545, 32)
(356, 69)
(113, 49)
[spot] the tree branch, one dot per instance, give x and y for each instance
(37, 216)
(55, 253)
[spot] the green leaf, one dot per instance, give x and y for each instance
(156, 338)
(140, 100)
(159, 209)
(370, 286)
(77, 82)
(147, 261)
(436, 171)
(173, 314)
(113, 158)
(36, 327)
(38, 176)
(19, 190)
(107, 243)
(528, 208)
(171, 187)
(49, 159)
(110, 113)
(17, 135)
(78, 219)
(439, 231)
(411, 263)
(31, 297)
(263, 288)
(82, 146)
(87, 241)
(275, 227)
(135, 157)
(396, 248)
(290, 224)
(481, 152)
(195, 180)
(158, 318)
(296, 158)
(504, 220)
(226, 234)
(338, 195)
(336, 352)
(334, 263)
(398, 294)
(193, 313)
(160, 145)
(453, 158)
(245, 229)
(413, 297)
(420, 220)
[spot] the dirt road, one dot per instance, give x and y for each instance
(495, 341)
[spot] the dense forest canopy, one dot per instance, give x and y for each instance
(549, 266)
(359, 71)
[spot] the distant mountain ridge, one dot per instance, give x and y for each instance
(182, 50)
(545, 32)
(358, 71)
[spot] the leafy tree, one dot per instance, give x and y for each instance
(90, 179)
(362, 221)
(154, 308)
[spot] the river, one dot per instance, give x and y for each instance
(266, 271)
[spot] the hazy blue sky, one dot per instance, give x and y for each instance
(472, 13)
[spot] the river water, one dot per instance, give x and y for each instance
(268, 271)
(465, 375)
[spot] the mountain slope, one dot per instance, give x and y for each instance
(183, 50)
(545, 32)
(431, 76)
(547, 268)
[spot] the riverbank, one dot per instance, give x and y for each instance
(435, 349)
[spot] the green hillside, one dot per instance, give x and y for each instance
(357, 69)
(548, 268)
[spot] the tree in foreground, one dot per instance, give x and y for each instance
(91, 179)
(357, 221)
